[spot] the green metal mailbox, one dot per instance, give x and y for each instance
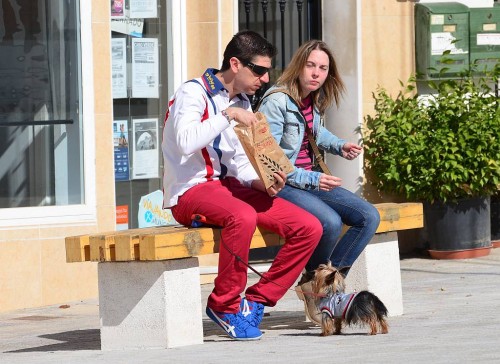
(441, 27)
(485, 37)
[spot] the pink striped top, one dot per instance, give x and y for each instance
(304, 157)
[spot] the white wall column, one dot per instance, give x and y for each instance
(342, 33)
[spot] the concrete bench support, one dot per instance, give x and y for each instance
(378, 270)
(155, 304)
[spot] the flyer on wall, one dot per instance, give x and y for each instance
(125, 25)
(143, 8)
(145, 68)
(145, 148)
(119, 67)
(117, 8)
(120, 143)
(122, 217)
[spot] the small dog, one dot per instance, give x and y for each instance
(338, 307)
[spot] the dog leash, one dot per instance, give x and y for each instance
(198, 220)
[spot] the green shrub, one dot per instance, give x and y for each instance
(445, 146)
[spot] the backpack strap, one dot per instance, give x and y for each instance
(206, 93)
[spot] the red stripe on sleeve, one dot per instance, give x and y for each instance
(204, 151)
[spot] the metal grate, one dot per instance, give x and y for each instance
(285, 23)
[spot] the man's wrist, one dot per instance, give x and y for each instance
(226, 115)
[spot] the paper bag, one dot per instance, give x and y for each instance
(262, 150)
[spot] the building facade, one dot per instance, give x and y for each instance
(83, 90)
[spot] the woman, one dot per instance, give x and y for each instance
(308, 86)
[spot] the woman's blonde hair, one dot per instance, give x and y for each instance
(331, 90)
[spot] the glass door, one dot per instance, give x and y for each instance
(139, 64)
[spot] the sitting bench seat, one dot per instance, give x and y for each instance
(149, 278)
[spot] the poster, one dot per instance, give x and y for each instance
(119, 67)
(120, 144)
(143, 8)
(117, 8)
(128, 26)
(152, 213)
(145, 148)
(122, 217)
(145, 68)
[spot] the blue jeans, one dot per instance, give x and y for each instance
(333, 209)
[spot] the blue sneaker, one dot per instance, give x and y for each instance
(252, 311)
(235, 325)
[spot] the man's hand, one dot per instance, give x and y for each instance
(327, 182)
(279, 183)
(351, 151)
(241, 116)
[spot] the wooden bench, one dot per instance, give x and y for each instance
(149, 279)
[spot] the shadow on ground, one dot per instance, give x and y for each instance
(289, 322)
(285, 323)
(68, 341)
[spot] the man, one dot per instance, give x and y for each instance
(207, 173)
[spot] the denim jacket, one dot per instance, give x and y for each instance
(288, 127)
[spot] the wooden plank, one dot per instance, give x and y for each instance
(263, 238)
(127, 245)
(77, 248)
(103, 245)
(173, 242)
(198, 241)
(400, 216)
(102, 248)
(174, 245)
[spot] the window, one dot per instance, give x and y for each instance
(41, 131)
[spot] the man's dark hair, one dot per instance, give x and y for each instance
(245, 45)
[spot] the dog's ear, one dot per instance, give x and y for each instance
(330, 278)
(344, 271)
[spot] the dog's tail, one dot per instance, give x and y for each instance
(363, 306)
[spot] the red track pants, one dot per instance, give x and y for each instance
(238, 210)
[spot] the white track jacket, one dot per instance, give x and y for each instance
(199, 145)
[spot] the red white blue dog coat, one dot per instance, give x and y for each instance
(337, 305)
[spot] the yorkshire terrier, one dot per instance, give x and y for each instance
(338, 307)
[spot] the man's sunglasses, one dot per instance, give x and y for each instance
(258, 70)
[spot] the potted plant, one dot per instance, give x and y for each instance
(442, 149)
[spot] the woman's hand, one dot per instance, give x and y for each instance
(327, 182)
(351, 151)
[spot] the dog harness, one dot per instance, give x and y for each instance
(337, 305)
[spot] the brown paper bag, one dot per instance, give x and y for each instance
(262, 150)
